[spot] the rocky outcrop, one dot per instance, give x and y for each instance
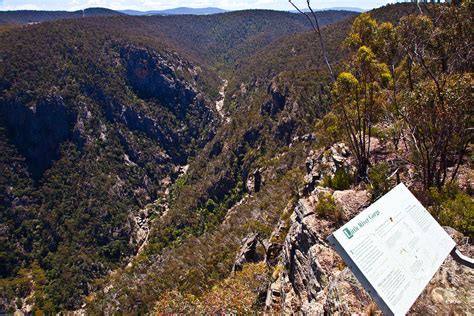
(216, 149)
(325, 163)
(315, 281)
(277, 102)
(308, 260)
(248, 252)
(254, 181)
(38, 130)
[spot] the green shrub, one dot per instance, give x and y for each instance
(459, 214)
(327, 208)
(379, 182)
(453, 208)
(342, 180)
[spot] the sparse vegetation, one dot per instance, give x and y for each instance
(453, 208)
(327, 208)
(240, 293)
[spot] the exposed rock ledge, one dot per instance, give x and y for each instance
(315, 281)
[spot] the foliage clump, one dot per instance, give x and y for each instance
(341, 180)
(327, 208)
(453, 208)
(379, 180)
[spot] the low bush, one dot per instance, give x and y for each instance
(453, 208)
(379, 182)
(342, 180)
(327, 208)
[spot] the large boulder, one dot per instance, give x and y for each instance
(248, 252)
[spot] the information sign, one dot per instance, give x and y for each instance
(394, 248)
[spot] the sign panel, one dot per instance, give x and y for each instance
(394, 248)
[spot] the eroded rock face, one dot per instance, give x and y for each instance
(309, 261)
(248, 252)
(315, 281)
(277, 102)
(152, 76)
(38, 131)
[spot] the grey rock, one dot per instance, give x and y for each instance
(254, 182)
(248, 252)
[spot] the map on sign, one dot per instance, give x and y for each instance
(394, 248)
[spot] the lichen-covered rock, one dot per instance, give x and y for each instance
(450, 291)
(351, 201)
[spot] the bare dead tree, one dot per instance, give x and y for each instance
(419, 7)
(317, 30)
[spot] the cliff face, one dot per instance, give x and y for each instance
(39, 130)
(152, 77)
(100, 135)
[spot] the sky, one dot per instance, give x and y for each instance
(145, 5)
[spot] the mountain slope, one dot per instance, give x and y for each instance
(99, 124)
(99, 115)
(223, 39)
(113, 142)
(246, 180)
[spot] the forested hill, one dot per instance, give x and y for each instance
(132, 175)
(93, 126)
(98, 116)
(301, 52)
(221, 40)
(32, 16)
(218, 40)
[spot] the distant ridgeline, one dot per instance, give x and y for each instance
(32, 16)
(424, 1)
